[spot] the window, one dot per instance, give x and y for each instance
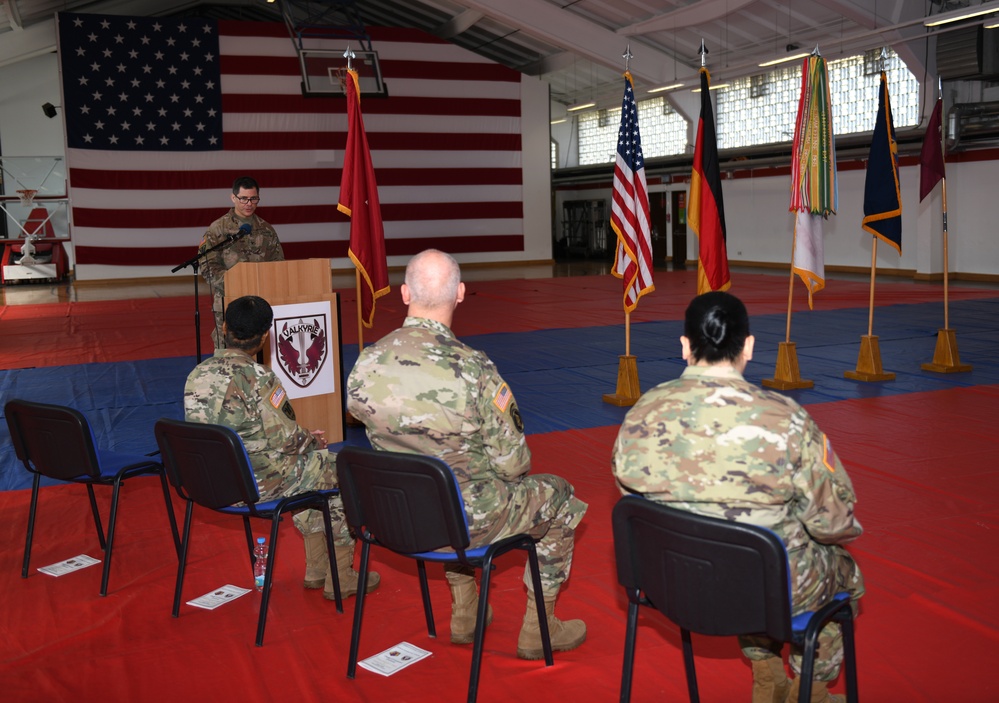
(664, 132)
(762, 109)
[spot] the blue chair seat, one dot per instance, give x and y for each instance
(58, 442)
(208, 465)
(412, 505)
(716, 577)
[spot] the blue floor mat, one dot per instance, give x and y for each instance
(559, 376)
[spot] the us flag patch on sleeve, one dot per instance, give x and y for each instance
(828, 456)
(502, 398)
(277, 397)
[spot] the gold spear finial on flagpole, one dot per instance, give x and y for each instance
(349, 55)
(627, 56)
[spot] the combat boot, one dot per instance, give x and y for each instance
(317, 564)
(820, 693)
(770, 682)
(564, 635)
(348, 577)
(464, 607)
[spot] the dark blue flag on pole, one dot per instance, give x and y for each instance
(882, 197)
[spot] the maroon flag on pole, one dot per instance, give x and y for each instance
(359, 202)
(931, 160)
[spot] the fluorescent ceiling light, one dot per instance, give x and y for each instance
(713, 87)
(581, 106)
(665, 87)
(786, 58)
(557, 121)
(959, 15)
(992, 26)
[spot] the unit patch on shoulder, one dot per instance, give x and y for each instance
(518, 421)
(503, 397)
(828, 455)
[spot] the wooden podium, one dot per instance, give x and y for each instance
(291, 282)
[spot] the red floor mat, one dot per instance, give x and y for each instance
(151, 328)
(928, 631)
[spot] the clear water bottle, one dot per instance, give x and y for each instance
(259, 563)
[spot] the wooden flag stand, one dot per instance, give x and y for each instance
(945, 356)
(869, 360)
(628, 390)
(786, 375)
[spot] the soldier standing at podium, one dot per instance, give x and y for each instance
(261, 244)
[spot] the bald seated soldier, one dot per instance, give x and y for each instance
(420, 390)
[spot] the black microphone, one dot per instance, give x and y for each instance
(244, 229)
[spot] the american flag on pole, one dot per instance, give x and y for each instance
(630, 206)
(162, 114)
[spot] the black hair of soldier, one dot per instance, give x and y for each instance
(717, 326)
(244, 182)
(247, 320)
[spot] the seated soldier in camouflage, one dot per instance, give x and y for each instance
(232, 389)
(714, 444)
(420, 390)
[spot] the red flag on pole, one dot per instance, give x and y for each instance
(630, 206)
(706, 214)
(359, 202)
(931, 160)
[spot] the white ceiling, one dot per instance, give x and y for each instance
(575, 45)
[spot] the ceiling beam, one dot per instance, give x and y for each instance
(692, 15)
(13, 14)
(458, 24)
(550, 23)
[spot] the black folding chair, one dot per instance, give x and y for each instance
(716, 577)
(411, 505)
(208, 465)
(58, 442)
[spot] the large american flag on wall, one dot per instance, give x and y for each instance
(162, 114)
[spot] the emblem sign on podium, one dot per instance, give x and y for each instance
(301, 348)
(304, 350)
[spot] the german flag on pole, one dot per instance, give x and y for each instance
(882, 197)
(706, 214)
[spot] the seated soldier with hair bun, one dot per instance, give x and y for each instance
(714, 444)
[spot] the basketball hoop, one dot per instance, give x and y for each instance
(341, 77)
(27, 196)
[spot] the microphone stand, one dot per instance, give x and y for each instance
(195, 263)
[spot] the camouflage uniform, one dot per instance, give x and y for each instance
(714, 444)
(260, 245)
(231, 389)
(421, 390)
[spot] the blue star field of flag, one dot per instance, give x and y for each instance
(140, 83)
(629, 141)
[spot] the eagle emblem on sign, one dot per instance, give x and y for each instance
(302, 347)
